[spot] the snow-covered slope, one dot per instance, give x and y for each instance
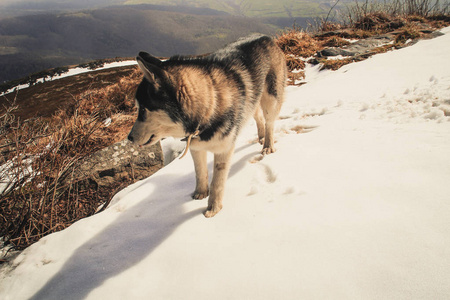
(354, 204)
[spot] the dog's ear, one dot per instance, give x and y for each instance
(149, 59)
(151, 67)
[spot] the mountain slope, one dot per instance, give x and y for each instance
(33, 43)
(251, 8)
(353, 205)
(46, 98)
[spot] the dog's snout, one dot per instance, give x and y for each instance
(130, 137)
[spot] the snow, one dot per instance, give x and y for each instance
(15, 170)
(77, 71)
(353, 205)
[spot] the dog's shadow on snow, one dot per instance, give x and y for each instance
(130, 238)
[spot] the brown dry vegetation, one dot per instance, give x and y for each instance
(43, 153)
(299, 45)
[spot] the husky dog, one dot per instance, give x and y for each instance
(207, 100)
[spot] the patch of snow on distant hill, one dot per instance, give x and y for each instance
(73, 72)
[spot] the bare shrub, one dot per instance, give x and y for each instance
(294, 63)
(297, 43)
(392, 14)
(39, 157)
(296, 46)
(364, 19)
(409, 32)
(334, 64)
(335, 41)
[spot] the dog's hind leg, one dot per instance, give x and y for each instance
(201, 174)
(259, 124)
(222, 162)
(271, 106)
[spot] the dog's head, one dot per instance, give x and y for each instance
(157, 104)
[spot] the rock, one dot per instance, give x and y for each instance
(120, 162)
(334, 51)
(433, 35)
(358, 48)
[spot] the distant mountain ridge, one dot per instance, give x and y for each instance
(192, 10)
(249, 8)
(32, 43)
(42, 34)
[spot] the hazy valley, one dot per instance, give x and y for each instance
(68, 32)
(32, 43)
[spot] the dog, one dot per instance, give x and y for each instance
(207, 100)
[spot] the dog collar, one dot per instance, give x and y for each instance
(188, 139)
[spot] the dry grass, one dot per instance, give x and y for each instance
(293, 77)
(408, 32)
(298, 43)
(43, 153)
(294, 63)
(383, 49)
(379, 22)
(335, 41)
(406, 19)
(335, 64)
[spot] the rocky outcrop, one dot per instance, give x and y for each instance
(358, 48)
(364, 47)
(120, 162)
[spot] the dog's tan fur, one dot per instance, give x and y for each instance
(214, 95)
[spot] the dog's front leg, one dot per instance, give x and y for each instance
(201, 174)
(222, 163)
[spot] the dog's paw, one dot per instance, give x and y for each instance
(198, 195)
(211, 212)
(268, 150)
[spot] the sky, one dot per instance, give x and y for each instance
(353, 205)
